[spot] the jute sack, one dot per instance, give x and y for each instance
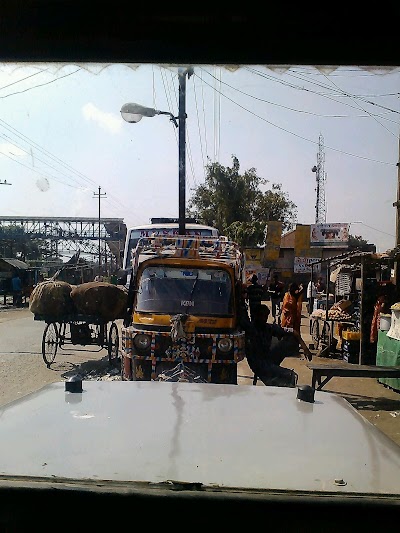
(100, 299)
(51, 298)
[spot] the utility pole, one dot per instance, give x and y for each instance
(397, 206)
(99, 195)
(5, 182)
(182, 73)
(132, 113)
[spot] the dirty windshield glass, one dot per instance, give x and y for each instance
(295, 165)
(171, 290)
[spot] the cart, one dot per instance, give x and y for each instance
(81, 330)
(322, 332)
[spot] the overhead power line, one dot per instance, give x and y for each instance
(273, 78)
(375, 229)
(300, 136)
(56, 159)
(23, 79)
(365, 111)
(41, 85)
(288, 107)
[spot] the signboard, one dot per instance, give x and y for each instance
(302, 265)
(263, 274)
(302, 240)
(334, 235)
(273, 235)
(253, 255)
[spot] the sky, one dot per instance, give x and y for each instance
(62, 137)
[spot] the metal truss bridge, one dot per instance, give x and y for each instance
(61, 236)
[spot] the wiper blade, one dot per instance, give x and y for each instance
(194, 286)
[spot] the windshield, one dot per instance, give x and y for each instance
(268, 152)
(174, 290)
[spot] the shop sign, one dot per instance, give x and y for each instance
(253, 255)
(273, 235)
(262, 274)
(334, 235)
(302, 265)
(302, 241)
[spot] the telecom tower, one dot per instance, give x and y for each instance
(320, 205)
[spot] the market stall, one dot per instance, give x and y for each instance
(356, 280)
(388, 348)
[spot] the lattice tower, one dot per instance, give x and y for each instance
(320, 175)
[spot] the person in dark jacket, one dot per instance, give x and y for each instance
(276, 291)
(255, 294)
(265, 362)
(16, 286)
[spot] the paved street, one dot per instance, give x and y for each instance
(22, 370)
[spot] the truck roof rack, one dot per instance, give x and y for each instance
(166, 220)
(182, 246)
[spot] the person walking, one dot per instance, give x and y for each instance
(16, 287)
(291, 307)
(311, 295)
(255, 294)
(276, 291)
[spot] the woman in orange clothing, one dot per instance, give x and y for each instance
(378, 309)
(291, 307)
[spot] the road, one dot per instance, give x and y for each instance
(22, 369)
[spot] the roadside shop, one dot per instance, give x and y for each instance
(345, 322)
(388, 345)
(29, 277)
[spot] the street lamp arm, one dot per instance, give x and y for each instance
(171, 116)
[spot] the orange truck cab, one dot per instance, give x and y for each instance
(184, 296)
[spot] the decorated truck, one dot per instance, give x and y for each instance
(184, 305)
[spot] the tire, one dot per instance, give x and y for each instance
(113, 344)
(315, 333)
(50, 343)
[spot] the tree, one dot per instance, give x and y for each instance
(15, 243)
(235, 204)
(356, 241)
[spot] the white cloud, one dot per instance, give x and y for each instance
(11, 150)
(107, 121)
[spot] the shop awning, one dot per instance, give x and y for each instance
(14, 263)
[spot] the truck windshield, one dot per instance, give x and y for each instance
(173, 290)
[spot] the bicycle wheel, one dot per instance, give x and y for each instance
(113, 344)
(315, 333)
(50, 343)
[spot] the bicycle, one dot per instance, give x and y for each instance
(320, 335)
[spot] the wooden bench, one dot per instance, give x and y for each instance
(349, 370)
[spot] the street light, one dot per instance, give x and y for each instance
(133, 113)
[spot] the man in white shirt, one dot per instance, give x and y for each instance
(311, 294)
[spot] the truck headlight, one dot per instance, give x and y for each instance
(142, 342)
(225, 345)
